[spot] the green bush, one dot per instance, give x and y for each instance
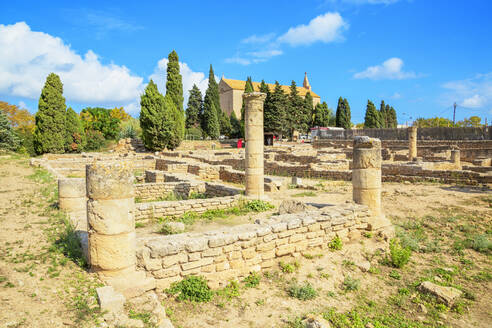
(335, 244)
(193, 133)
(166, 229)
(229, 291)
(253, 280)
(94, 140)
(100, 119)
(350, 284)
(8, 139)
(399, 256)
(304, 292)
(258, 205)
(479, 243)
(289, 267)
(191, 288)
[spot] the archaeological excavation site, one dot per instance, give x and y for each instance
(386, 228)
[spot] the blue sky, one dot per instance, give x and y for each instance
(419, 56)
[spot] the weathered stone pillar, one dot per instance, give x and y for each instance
(254, 143)
(71, 195)
(112, 241)
(412, 143)
(456, 157)
(366, 178)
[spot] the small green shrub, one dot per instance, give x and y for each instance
(304, 292)
(289, 267)
(335, 244)
(350, 284)
(399, 256)
(253, 280)
(230, 291)
(479, 243)
(167, 229)
(395, 275)
(258, 205)
(191, 288)
(197, 195)
(95, 140)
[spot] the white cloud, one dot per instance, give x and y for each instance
(370, 2)
(396, 95)
(324, 28)
(189, 78)
(475, 92)
(390, 69)
(265, 53)
(22, 105)
(238, 60)
(27, 57)
(259, 38)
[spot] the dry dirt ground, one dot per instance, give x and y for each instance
(43, 282)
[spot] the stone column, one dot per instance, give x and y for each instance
(254, 143)
(112, 241)
(71, 195)
(456, 157)
(412, 143)
(366, 178)
(112, 238)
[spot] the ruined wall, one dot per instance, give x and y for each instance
(234, 252)
(153, 190)
(435, 133)
(174, 208)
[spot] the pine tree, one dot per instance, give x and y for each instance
(49, 133)
(225, 124)
(210, 125)
(195, 107)
(174, 82)
(393, 119)
(340, 110)
(274, 113)
(294, 110)
(75, 138)
(307, 114)
(371, 120)
(156, 118)
(8, 138)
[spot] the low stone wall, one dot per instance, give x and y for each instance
(151, 210)
(232, 253)
(149, 191)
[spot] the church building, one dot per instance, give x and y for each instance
(231, 93)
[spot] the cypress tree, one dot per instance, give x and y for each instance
(8, 138)
(308, 112)
(210, 124)
(393, 118)
(371, 118)
(225, 124)
(383, 115)
(294, 110)
(75, 132)
(235, 126)
(340, 110)
(347, 115)
(174, 83)
(195, 107)
(49, 133)
(178, 124)
(213, 92)
(274, 111)
(156, 118)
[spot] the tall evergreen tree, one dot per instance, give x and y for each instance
(8, 138)
(156, 118)
(178, 124)
(194, 108)
(340, 110)
(213, 92)
(347, 115)
(307, 113)
(75, 138)
(383, 115)
(393, 118)
(371, 120)
(49, 133)
(323, 116)
(275, 111)
(174, 82)
(294, 110)
(210, 124)
(235, 126)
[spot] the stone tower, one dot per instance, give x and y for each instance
(306, 84)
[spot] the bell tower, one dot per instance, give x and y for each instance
(306, 84)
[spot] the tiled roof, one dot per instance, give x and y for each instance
(240, 85)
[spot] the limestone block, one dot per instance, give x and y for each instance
(111, 216)
(365, 158)
(109, 252)
(166, 273)
(446, 295)
(197, 264)
(109, 300)
(171, 260)
(73, 204)
(110, 180)
(285, 250)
